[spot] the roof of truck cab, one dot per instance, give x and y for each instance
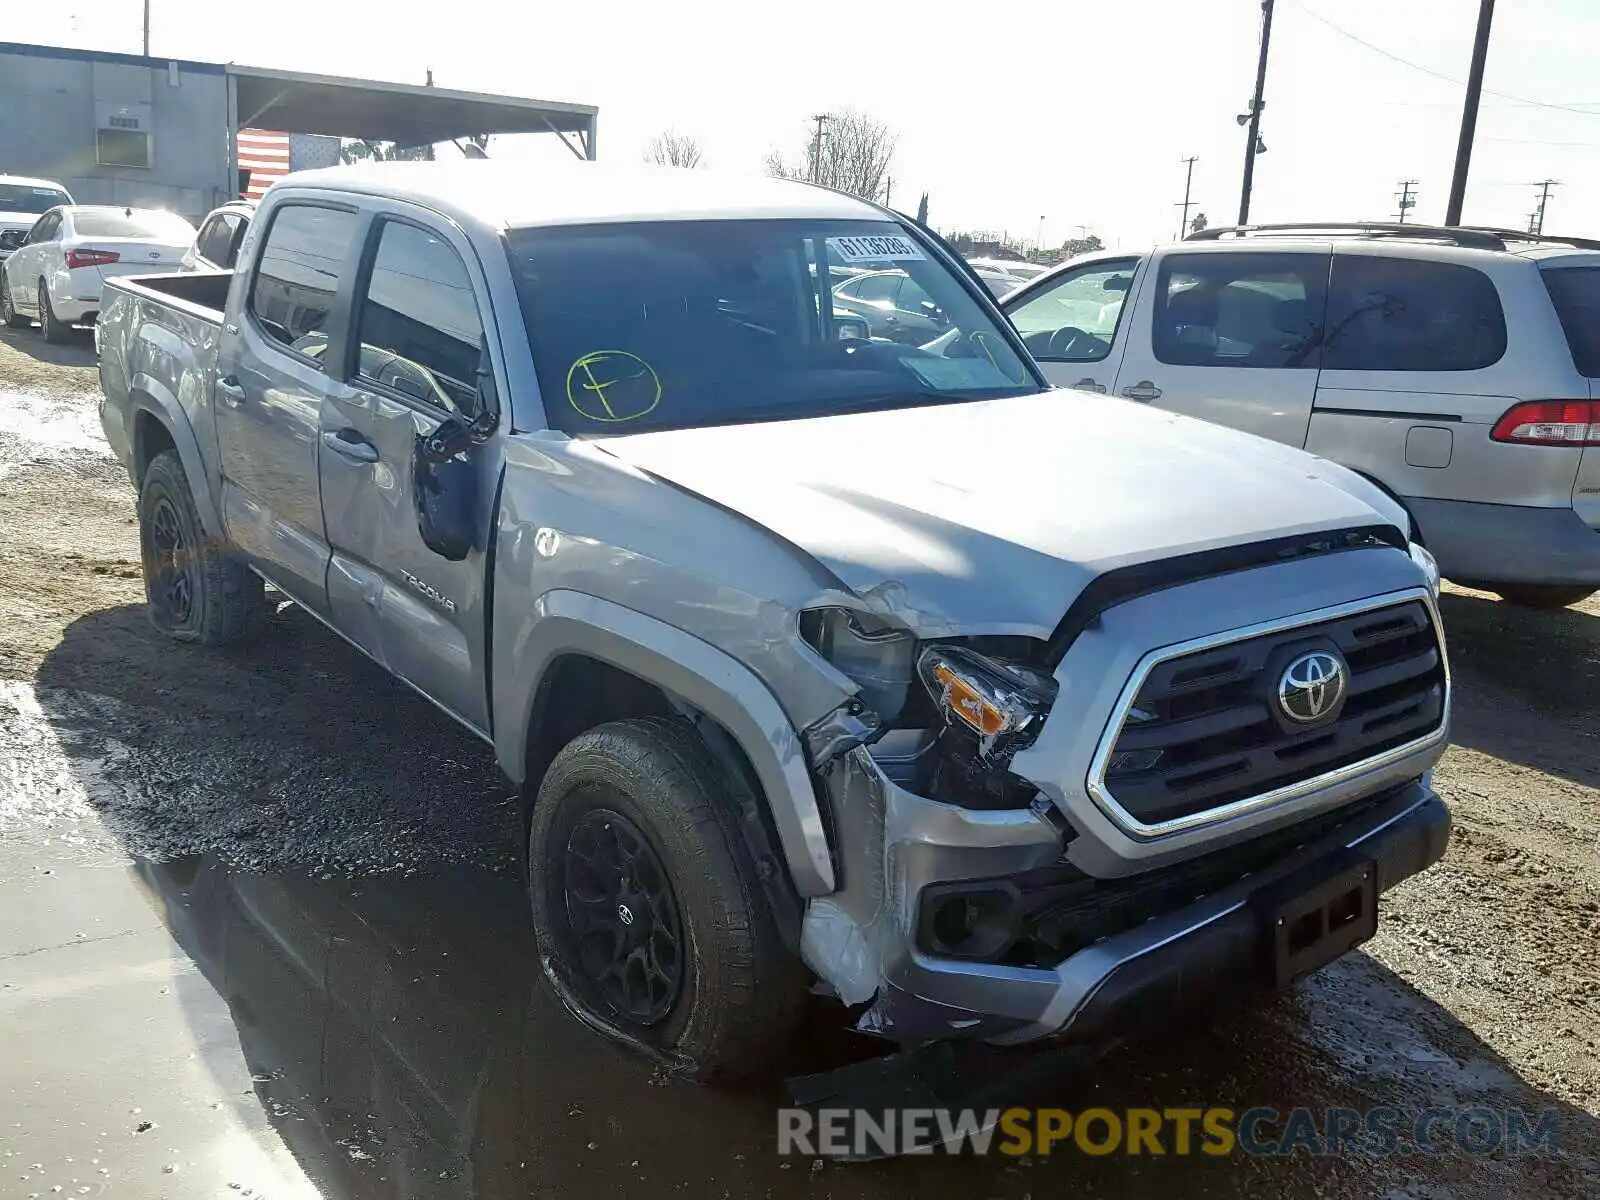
(509, 195)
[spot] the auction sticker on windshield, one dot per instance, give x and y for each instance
(887, 248)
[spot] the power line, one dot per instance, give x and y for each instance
(1580, 109)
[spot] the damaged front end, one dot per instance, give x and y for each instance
(930, 824)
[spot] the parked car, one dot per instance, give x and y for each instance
(893, 305)
(994, 709)
(216, 245)
(1003, 275)
(58, 271)
(1456, 368)
(21, 201)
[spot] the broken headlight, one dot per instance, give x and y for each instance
(991, 709)
(878, 656)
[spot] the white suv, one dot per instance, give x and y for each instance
(1457, 368)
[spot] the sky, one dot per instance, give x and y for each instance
(1014, 115)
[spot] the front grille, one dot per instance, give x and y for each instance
(1204, 729)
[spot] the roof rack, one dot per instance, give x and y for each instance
(1471, 238)
(1553, 239)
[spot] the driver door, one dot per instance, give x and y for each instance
(417, 337)
(1069, 321)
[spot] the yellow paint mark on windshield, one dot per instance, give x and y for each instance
(613, 386)
(983, 344)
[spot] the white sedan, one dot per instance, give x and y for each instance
(55, 276)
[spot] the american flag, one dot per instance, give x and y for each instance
(265, 155)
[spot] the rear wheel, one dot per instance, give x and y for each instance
(650, 918)
(197, 591)
(1542, 595)
(54, 330)
(8, 311)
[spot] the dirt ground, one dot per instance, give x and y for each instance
(291, 786)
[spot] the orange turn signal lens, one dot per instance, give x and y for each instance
(965, 702)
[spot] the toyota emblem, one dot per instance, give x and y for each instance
(1312, 687)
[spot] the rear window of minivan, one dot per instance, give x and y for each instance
(1575, 291)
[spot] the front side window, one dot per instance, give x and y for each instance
(420, 332)
(28, 198)
(297, 274)
(1260, 310)
(1074, 317)
(1401, 314)
(676, 324)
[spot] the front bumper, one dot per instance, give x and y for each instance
(1187, 957)
(1508, 543)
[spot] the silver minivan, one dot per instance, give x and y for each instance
(1457, 368)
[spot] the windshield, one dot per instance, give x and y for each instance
(676, 324)
(114, 223)
(26, 198)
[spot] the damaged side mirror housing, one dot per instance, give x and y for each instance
(444, 479)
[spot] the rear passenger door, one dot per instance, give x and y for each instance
(1231, 338)
(272, 377)
(416, 347)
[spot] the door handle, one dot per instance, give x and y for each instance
(1089, 385)
(230, 391)
(1143, 391)
(350, 444)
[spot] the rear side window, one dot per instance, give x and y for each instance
(216, 240)
(297, 275)
(1575, 291)
(420, 331)
(1240, 310)
(1401, 314)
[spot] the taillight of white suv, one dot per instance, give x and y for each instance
(1550, 423)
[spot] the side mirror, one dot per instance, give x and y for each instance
(444, 490)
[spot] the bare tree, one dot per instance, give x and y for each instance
(850, 151)
(671, 149)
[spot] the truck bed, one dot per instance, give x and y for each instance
(205, 291)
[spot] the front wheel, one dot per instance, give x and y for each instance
(197, 591)
(55, 330)
(650, 919)
(1543, 595)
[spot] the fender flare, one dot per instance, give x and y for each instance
(146, 394)
(568, 622)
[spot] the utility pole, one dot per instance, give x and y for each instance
(1038, 241)
(1469, 114)
(822, 120)
(1406, 199)
(888, 192)
(1536, 224)
(1253, 117)
(1188, 180)
(147, 28)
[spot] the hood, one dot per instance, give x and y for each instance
(992, 516)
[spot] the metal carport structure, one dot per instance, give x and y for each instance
(407, 114)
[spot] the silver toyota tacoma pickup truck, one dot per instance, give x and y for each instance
(825, 660)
